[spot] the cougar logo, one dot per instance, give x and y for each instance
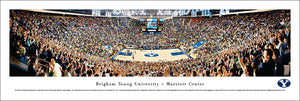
(283, 83)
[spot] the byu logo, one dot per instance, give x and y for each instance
(283, 83)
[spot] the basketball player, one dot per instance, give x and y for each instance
(132, 56)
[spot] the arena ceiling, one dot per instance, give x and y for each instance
(149, 13)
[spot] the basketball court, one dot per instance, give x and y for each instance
(151, 55)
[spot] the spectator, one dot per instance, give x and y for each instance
(267, 67)
(32, 67)
(77, 44)
(279, 69)
(55, 69)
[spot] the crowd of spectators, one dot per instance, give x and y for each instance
(255, 44)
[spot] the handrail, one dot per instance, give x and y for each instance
(43, 60)
(39, 64)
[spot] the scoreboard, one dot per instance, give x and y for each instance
(152, 26)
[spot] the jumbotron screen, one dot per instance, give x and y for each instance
(152, 26)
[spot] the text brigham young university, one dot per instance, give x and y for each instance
(129, 84)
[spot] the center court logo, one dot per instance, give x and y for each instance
(283, 83)
(151, 55)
